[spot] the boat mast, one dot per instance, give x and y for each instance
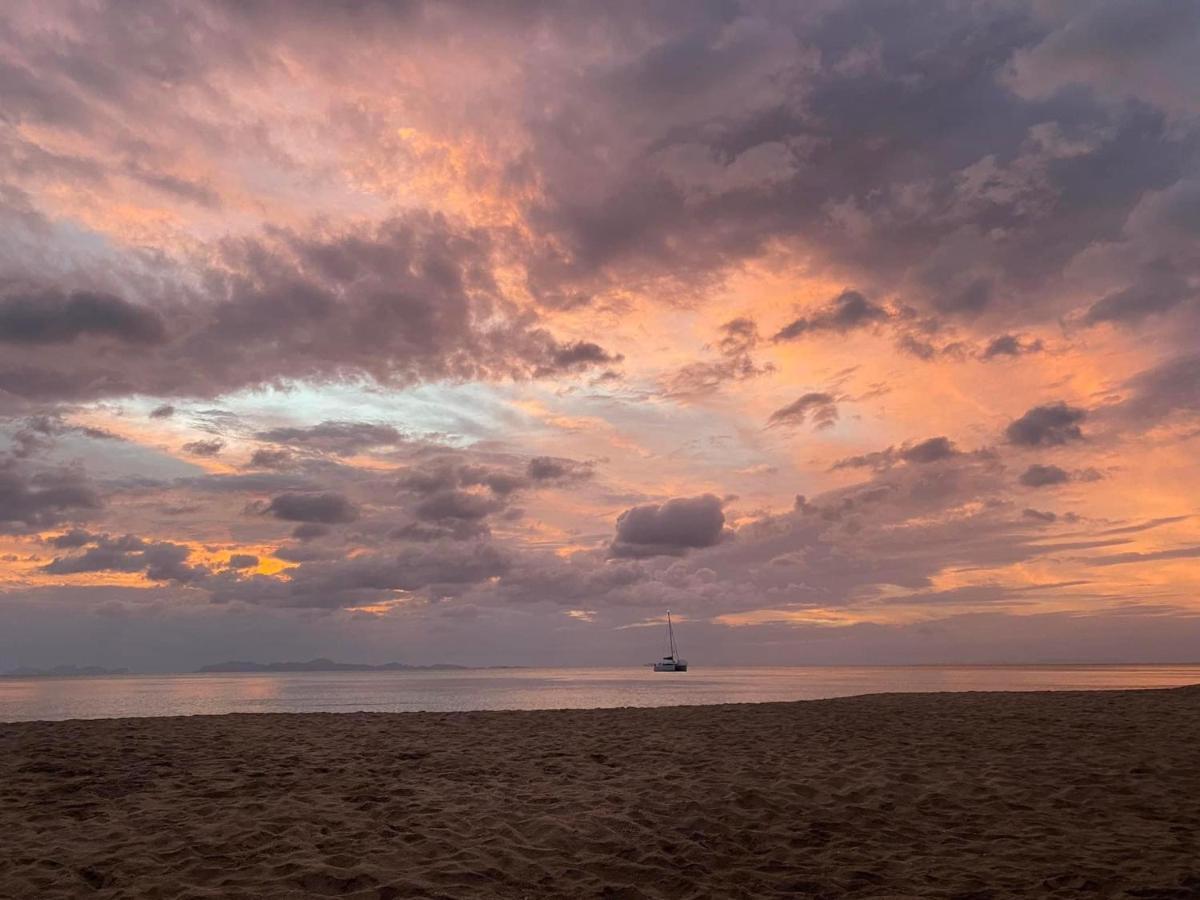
(671, 634)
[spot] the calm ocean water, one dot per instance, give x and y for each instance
(174, 695)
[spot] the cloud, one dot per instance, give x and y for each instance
(165, 411)
(243, 561)
(207, 448)
(1157, 393)
(1120, 559)
(556, 469)
(1039, 515)
(847, 311)
(816, 406)
(326, 508)
(1038, 476)
(673, 527)
(1159, 288)
(738, 339)
(54, 318)
(34, 499)
(930, 450)
(270, 458)
(401, 301)
(457, 504)
(159, 560)
(1048, 425)
(336, 437)
(1009, 345)
(575, 356)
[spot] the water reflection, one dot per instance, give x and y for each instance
(165, 695)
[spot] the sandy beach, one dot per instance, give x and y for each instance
(923, 795)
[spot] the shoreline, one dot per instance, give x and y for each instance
(585, 709)
(980, 794)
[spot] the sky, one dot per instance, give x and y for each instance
(850, 332)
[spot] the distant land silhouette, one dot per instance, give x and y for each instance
(61, 672)
(319, 665)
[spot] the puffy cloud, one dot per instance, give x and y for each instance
(456, 504)
(159, 560)
(325, 508)
(929, 450)
(673, 527)
(1048, 425)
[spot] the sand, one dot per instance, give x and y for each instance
(920, 795)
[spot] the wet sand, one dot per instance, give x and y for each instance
(922, 795)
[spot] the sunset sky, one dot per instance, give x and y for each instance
(860, 332)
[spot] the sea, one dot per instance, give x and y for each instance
(119, 696)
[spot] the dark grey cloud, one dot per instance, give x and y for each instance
(575, 356)
(845, 312)
(37, 434)
(32, 499)
(1038, 476)
(673, 527)
(208, 447)
(165, 411)
(69, 540)
(310, 531)
(270, 458)
(325, 507)
(1048, 425)
(437, 569)
(930, 450)
(243, 561)
(402, 301)
(457, 504)
(159, 560)
(1009, 345)
(817, 407)
(50, 317)
(1159, 288)
(557, 469)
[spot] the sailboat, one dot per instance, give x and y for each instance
(671, 663)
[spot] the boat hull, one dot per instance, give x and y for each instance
(670, 667)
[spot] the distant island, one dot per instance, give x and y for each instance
(61, 672)
(319, 665)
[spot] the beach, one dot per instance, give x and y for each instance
(968, 796)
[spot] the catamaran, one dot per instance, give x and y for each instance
(671, 663)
